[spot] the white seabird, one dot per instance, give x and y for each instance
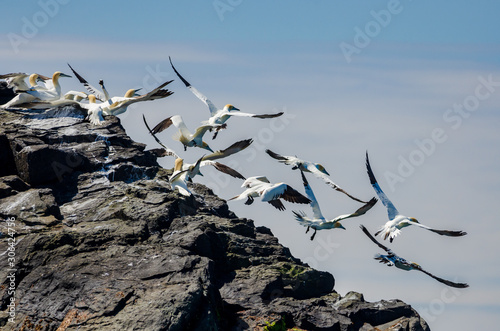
(391, 259)
(259, 186)
(315, 168)
(187, 138)
(318, 221)
(208, 159)
(53, 90)
(219, 116)
(17, 83)
(397, 221)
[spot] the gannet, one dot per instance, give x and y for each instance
(259, 186)
(391, 259)
(94, 111)
(179, 178)
(219, 116)
(318, 222)
(17, 83)
(53, 91)
(117, 105)
(397, 221)
(120, 104)
(104, 96)
(75, 96)
(184, 136)
(208, 159)
(315, 168)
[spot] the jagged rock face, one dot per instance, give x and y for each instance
(105, 244)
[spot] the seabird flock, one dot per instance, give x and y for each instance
(42, 92)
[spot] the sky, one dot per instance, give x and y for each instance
(414, 83)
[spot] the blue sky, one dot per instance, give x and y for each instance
(403, 83)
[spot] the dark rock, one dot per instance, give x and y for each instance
(103, 243)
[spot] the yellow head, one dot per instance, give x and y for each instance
(178, 164)
(91, 98)
(33, 79)
(132, 93)
(338, 226)
(321, 168)
(230, 107)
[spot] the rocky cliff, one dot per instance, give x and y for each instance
(93, 238)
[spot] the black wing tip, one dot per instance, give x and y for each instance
(373, 180)
(178, 74)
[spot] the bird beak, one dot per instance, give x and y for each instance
(200, 174)
(64, 75)
(326, 172)
(38, 79)
(137, 90)
(234, 108)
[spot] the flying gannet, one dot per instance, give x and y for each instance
(187, 138)
(391, 259)
(120, 104)
(397, 221)
(219, 116)
(318, 222)
(315, 168)
(259, 186)
(208, 159)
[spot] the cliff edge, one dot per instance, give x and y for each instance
(93, 238)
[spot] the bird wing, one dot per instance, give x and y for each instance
(254, 181)
(391, 209)
(238, 113)
(441, 280)
(361, 211)
(169, 152)
(200, 131)
(284, 191)
(16, 80)
(234, 148)
(211, 106)
(99, 96)
(223, 168)
(448, 233)
(310, 194)
(365, 230)
(157, 93)
(163, 125)
(277, 204)
(276, 156)
(312, 168)
(95, 116)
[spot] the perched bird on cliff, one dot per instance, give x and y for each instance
(391, 259)
(187, 138)
(117, 105)
(318, 222)
(180, 176)
(17, 83)
(94, 111)
(219, 116)
(259, 186)
(315, 168)
(52, 91)
(397, 221)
